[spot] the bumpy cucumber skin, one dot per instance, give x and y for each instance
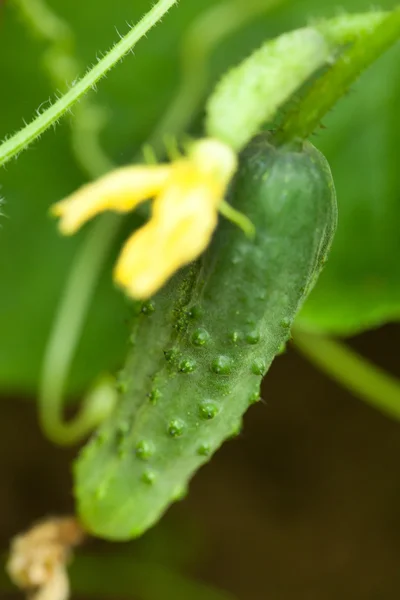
(201, 348)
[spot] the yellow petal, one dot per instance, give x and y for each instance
(181, 227)
(121, 190)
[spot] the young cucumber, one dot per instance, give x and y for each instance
(201, 348)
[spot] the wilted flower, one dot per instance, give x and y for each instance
(38, 558)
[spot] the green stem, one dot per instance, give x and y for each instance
(363, 378)
(239, 219)
(64, 338)
(33, 130)
(370, 42)
(85, 140)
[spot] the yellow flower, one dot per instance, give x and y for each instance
(187, 196)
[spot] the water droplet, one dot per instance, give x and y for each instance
(148, 307)
(253, 337)
(154, 396)
(187, 366)
(258, 367)
(285, 322)
(208, 410)
(200, 337)
(148, 477)
(222, 365)
(176, 427)
(144, 450)
(204, 450)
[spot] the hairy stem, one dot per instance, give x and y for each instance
(341, 363)
(370, 42)
(33, 130)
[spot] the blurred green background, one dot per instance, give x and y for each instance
(305, 503)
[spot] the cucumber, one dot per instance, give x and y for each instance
(201, 347)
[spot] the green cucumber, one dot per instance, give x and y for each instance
(201, 347)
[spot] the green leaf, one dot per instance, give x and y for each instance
(360, 287)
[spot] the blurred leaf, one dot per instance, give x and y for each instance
(34, 261)
(360, 287)
(124, 577)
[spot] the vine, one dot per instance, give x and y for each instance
(79, 88)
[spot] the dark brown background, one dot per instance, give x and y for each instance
(304, 505)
